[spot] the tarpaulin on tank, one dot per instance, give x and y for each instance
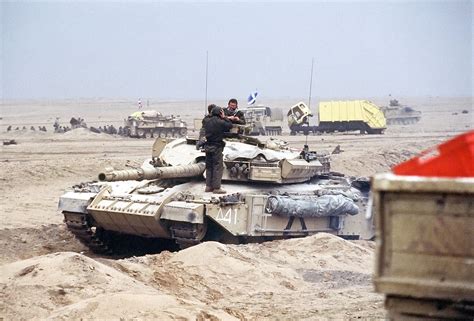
(326, 205)
(235, 150)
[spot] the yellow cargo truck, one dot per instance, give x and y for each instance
(351, 115)
(425, 246)
(340, 116)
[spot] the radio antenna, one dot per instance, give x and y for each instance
(311, 83)
(207, 65)
(309, 101)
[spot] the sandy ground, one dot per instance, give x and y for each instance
(46, 273)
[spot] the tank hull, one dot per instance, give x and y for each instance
(241, 214)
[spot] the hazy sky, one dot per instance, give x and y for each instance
(158, 49)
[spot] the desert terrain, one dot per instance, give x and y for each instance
(46, 273)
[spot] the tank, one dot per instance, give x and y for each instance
(273, 192)
(397, 114)
(151, 123)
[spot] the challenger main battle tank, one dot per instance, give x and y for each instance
(397, 114)
(273, 192)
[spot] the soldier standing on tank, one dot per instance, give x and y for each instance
(202, 132)
(214, 128)
(232, 114)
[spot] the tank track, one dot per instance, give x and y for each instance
(84, 231)
(187, 234)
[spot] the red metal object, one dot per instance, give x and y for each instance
(454, 158)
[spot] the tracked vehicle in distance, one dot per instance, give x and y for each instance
(397, 114)
(263, 120)
(151, 123)
(273, 192)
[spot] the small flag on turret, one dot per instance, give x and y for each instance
(252, 98)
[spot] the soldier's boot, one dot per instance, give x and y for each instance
(219, 191)
(208, 189)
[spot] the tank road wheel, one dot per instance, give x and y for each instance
(83, 228)
(169, 134)
(187, 234)
(174, 133)
(162, 134)
(141, 133)
(182, 131)
(149, 134)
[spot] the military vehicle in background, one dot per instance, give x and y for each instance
(272, 192)
(340, 116)
(298, 119)
(151, 123)
(397, 114)
(77, 123)
(263, 120)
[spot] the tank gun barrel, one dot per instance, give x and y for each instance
(141, 173)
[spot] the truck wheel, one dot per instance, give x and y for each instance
(183, 132)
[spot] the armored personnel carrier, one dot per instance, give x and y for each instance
(397, 114)
(272, 192)
(263, 120)
(151, 123)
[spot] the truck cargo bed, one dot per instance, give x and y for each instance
(425, 240)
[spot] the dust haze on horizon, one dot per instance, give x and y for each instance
(68, 50)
